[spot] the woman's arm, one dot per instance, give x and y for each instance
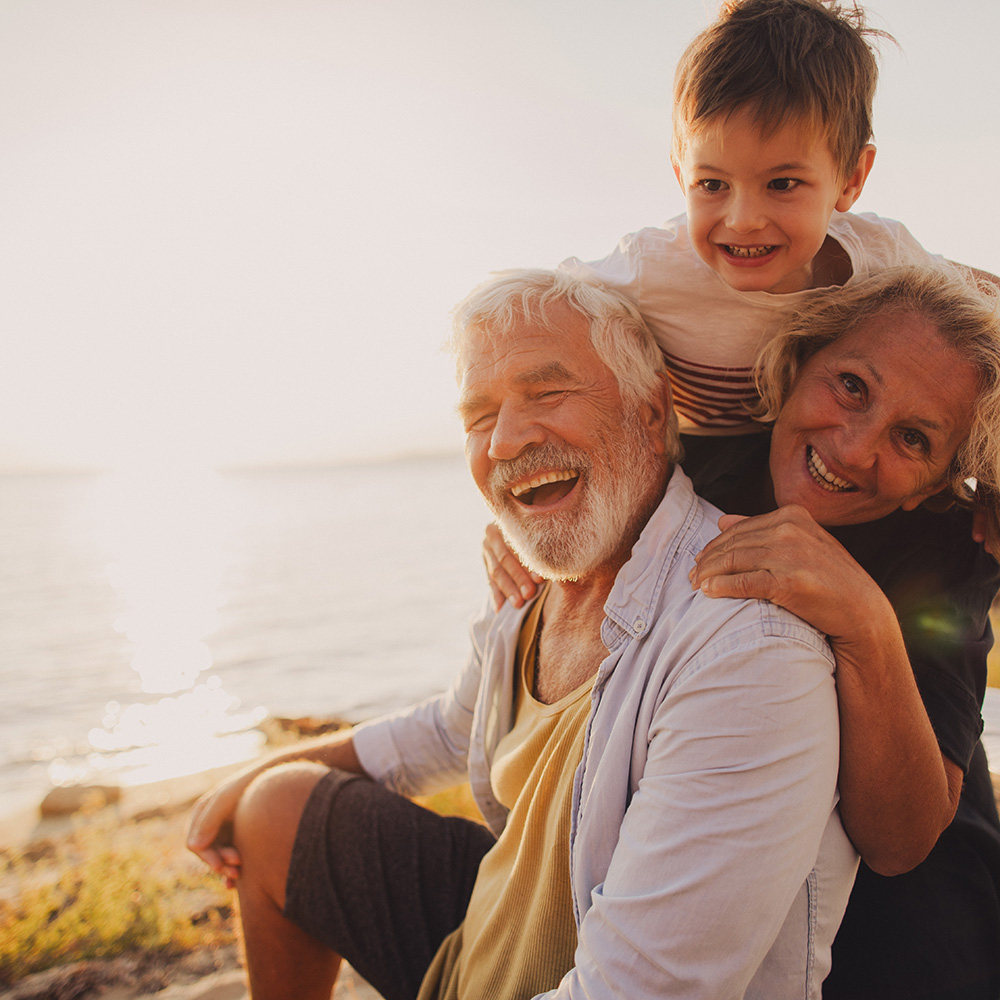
(898, 791)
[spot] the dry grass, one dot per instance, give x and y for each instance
(106, 890)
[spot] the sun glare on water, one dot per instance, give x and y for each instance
(164, 530)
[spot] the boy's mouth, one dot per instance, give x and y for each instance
(748, 252)
(824, 477)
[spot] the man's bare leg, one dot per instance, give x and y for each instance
(283, 961)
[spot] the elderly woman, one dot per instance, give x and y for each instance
(885, 401)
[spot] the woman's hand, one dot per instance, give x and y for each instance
(898, 791)
(509, 580)
(786, 558)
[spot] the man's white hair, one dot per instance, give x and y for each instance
(617, 331)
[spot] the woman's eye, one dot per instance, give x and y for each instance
(711, 185)
(784, 184)
(852, 384)
(914, 439)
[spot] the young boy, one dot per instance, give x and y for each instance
(772, 122)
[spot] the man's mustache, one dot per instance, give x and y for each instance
(507, 472)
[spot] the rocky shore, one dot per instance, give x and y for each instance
(157, 810)
(213, 973)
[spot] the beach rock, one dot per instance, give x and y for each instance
(64, 800)
(280, 729)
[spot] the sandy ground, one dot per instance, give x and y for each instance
(186, 980)
(231, 986)
(200, 976)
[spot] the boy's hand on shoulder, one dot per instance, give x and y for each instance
(509, 580)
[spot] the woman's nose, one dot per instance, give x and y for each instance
(858, 445)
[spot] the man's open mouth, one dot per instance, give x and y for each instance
(546, 488)
(747, 252)
(824, 477)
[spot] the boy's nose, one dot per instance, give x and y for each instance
(745, 214)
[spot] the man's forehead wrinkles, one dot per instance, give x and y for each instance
(554, 371)
(478, 385)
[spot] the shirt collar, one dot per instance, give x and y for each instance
(636, 592)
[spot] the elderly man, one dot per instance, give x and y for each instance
(657, 770)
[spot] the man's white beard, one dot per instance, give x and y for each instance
(566, 545)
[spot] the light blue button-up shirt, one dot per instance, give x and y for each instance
(707, 856)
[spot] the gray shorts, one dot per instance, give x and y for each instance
(381, 880)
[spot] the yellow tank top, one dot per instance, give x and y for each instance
(519, 934)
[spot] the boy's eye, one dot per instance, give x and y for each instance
(711, 185)
(784, 184)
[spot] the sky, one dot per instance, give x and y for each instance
(231, 231)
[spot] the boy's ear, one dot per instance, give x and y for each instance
(855, 182)
(677, 171)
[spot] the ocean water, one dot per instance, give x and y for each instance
(148, 621)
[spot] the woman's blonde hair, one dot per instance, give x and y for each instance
(964, 308)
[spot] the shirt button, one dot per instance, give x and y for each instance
(639, 625)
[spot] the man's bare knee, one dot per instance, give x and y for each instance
(267, 820)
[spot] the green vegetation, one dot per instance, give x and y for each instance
(107, 889)
(104, 891)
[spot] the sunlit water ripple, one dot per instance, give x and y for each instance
(148, 622)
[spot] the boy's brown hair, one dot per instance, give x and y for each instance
(782, 60)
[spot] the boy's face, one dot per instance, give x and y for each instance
(758, 207)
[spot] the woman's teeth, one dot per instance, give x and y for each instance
(826, 479)
(548, 477)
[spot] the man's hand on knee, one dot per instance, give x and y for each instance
(210, 829)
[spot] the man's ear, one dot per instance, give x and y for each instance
(657, 413)
(855, 182)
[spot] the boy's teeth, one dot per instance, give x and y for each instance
(748, 251)
(823, 476)
(548, 477)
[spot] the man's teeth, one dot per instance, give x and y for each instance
(748, 251)
(823, 476)
(548, 477)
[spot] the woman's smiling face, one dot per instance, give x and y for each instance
(873, 421)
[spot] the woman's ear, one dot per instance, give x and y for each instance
(939, 490)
